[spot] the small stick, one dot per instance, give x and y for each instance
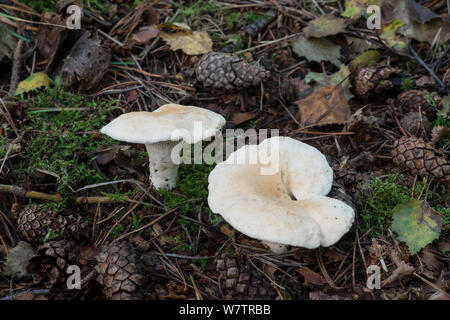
(17, 65)
(431, 72)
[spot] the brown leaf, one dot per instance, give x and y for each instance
(326, 105)
(311, 277)
(87, 253)
(241, 117)
(49, 37)
(145, 34)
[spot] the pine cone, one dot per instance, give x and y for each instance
(242, 282)
(415, 101)
(120, 272)
(226, 71)
(35, 222)
(420, 158)
(52, 259)
(369, 82)
(415, 123)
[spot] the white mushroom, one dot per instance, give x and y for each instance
(160, 131)
(288, 207)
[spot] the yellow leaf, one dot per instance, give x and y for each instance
(34, 81)
(196, 42)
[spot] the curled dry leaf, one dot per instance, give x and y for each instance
(311, 277)
(326, 105)
(17, 260)
(145, 34)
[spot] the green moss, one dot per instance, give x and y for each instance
(251, 17)
(58, 141)
(407, 84)
(378, 200)
(191, 189)
(195, 10)
(3, 146)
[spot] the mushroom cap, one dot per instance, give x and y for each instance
(262, 206)
(170, 122)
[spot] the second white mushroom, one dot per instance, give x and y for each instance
(287, 207)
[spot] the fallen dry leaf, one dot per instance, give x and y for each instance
(145, 34)
(314, 49)
(311, 277)
(179, 36)
(326, 105)
(33, 82)
(241, 117)
(325, 26)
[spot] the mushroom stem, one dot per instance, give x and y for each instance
(275, 247)
(163, 172)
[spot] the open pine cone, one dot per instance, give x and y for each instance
(369, 82)
(52, 259)
(226, 71)
(35, 222)
(415, 101)
(420, 158)
(120, 272)
(240, 281)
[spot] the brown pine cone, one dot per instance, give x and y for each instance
(120, 272)
(415, 101)
(369, 82)
(415, 123)
(37, 222)
(420, 158)
(240, 281)
(52, 259)
(226, 71)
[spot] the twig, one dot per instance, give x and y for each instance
(430, 71)
(17, 65)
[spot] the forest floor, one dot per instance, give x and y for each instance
(65, 185)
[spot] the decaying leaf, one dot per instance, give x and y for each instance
(179, 36)
(17, 260)
(416, 224)
(326, 105)
(391, 38)
(356, 8)
(438, 133)
(366, 59)
(311, 277)
(325, 26)
(340, 77)
(34, 81)
(86, 62)
(145, 34)
(7, 43)
(50, 37)
(241, 117)
(317, 49)
(419, 22)
(444, 111)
